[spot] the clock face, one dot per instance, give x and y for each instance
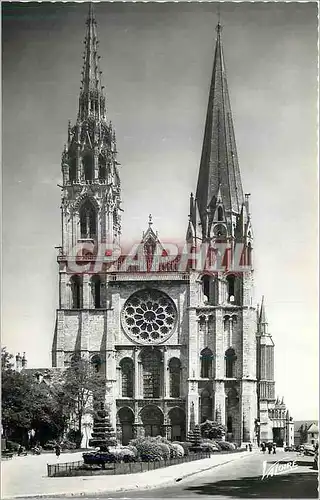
(149, 317)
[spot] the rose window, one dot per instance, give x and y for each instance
(149, 316)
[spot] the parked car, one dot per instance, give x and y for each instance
(289, 448)
(309, 450)
(315, 461)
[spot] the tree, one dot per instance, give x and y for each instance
(194, 437)
(212, 430)
(28, 404)
(16, 405)
(82, 386)
(103, 434)
(6, 360)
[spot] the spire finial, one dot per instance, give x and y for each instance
(219, 25)
(90, 14)
(150, 220)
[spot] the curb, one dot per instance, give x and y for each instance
(170, 482)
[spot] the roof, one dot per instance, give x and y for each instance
(298, 423)
(313, 428)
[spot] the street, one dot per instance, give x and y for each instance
(239, 479)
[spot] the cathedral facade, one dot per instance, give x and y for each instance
(176, 346)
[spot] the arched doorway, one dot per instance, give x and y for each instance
(177, 418)
(152, 420)
(126, 418)
(206, 405)
(232, 414)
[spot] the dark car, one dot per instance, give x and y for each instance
(289, 448)
(315, 461)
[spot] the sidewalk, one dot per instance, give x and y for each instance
(27, 476)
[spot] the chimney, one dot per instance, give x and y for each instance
(18, 362)
(24, 361)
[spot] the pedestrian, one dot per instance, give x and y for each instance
(269, 448)
(263, 447)
(246, 447)
(250, 447)
(57, 450)
(274, 446)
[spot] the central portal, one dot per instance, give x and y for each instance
(152, 419)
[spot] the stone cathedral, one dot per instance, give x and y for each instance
(175, 347)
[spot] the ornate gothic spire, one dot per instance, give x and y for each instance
(219, 169)
(91, 101)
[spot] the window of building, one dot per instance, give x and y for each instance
(126, 366)
(230, 357)
(249, 254)
(206, 363)
(96, 291)
(76, 290)
(87, 162)
(96, 362)
(229, 424)
(87, 220)
(231, 287)
(102, 168)
(152, 370)
(72, 170)
(208, 288)
(175, 371)
(220, 214)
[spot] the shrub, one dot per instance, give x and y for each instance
(131, 448)
(225, 445)
(212, 430)
(75, 436)
(12, 446)
(209, 447)
(178, 451)
(186, 445)
(49, 445)
(68, 445)
(99, 458)
(194, 436)
(165, 450)
(150, 449)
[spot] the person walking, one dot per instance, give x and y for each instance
(263, 447)
(274, 447)
(269, 448)
(57, 450)
(250, 446)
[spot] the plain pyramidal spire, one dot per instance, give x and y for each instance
(219, 168)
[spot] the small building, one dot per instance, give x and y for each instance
(301, 430)
(313, 434)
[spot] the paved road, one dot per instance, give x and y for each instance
(240, 479)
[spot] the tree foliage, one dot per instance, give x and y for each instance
(83, 384)
(48, 407)
(212, 430)
(27, 404)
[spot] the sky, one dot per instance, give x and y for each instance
(157, 61)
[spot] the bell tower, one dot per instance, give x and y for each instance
(90, 208)
(222, 318)
(90, 171)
